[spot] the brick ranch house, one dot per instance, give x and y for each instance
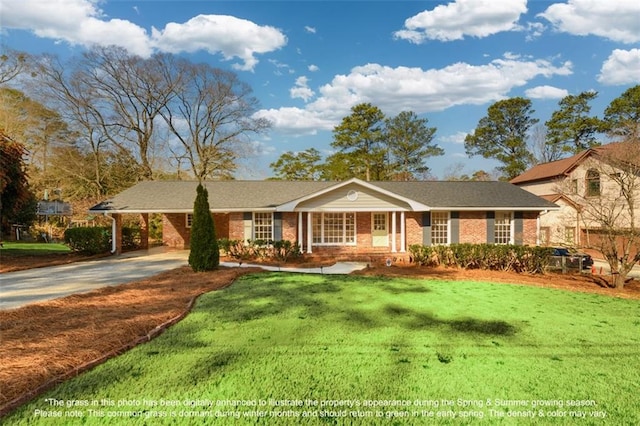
(339, 218)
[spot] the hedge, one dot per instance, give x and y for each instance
(516, 258)
(95, 240)
(89, 240)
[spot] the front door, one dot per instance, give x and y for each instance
(380, 229)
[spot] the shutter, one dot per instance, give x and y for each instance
(454, 221)
(247, 222)
(426, 228)
(277, 226)
(518, 228)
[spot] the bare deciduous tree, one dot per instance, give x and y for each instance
(211, 116)
(12, 64)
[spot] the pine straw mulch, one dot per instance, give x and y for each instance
(45, 343)
(585, 282)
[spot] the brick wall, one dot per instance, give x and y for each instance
(176, 234)
(530, 228)
(473, 227)
(174, 230)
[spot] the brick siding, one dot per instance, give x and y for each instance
(473, 229)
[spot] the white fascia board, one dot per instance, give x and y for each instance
(291, 205)
(140, 211)
(497, 209)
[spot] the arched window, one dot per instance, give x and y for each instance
(593, 183)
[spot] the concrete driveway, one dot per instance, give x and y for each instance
(35, 285)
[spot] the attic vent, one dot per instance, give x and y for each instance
(352, 195)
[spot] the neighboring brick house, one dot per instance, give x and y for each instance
(572, 183)
(340, 218)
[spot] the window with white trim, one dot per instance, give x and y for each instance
(503, 233)
(263, 226)
(334, 228)
(188, 220)
(439, 228)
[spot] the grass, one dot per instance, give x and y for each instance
(14, 248)
(342, 350)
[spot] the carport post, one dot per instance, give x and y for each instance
(144, 231)
(117, 235)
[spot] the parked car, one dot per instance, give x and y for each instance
(574, 256)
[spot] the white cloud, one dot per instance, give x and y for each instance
(78, 22)
(301, 89)
(534, 30)
(617, 20)
(621, 67)
(415, 89)
(228, 35)
(313, 68)
(454, 21)
(309, 29)
(298, 121)
(81, 22)
(456, 138)
(546, 92)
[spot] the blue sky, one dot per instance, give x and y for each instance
(309, 62)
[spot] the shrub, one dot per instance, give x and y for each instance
(242, 250)
(204, 253)
(533, 260)
(88, 240)
(130, 238)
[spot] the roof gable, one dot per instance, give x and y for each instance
(355, 195)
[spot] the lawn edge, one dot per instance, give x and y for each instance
(15, 403)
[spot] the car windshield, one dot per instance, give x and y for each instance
(562, 252)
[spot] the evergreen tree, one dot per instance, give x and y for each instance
(571, 128)
(502, 135)
(204, 254)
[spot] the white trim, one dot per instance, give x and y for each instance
(511, 228)
(394, 249)
(363, 209)
(253, 226)
(300, 234)
(309, 232)
(403, 233)
(186, 220)
(344, 231)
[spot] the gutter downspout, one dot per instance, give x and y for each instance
(113, 232)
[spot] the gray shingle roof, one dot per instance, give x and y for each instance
(178, 196)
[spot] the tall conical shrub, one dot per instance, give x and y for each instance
(204, 255)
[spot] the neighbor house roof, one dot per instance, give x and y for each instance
(559, 168)
(226, 196)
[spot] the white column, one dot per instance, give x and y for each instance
(403, 235)
(300, 234)
(309, 232)
(393, 232)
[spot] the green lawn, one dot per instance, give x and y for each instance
(311, 349)
(16, 248)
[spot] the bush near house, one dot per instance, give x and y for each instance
(241, 250)
(515, 258)
(97, 239)
(89, 240)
